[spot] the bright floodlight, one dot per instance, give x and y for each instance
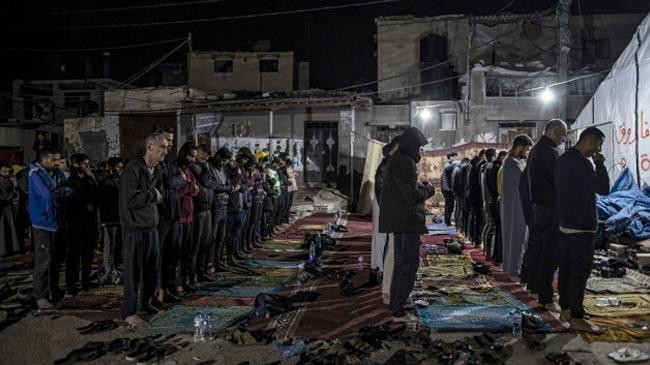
(425, 114)
(547, 95)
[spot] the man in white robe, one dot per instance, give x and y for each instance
(513, 225)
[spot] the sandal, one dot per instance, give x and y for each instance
(628, 355)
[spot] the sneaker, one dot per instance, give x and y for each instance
(44, 304)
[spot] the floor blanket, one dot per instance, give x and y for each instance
(180, 319)
(238, 291)
(466, 317)
(216, 301)
(448, 265)
(467, 296)
(270, 264)
(627, 329)
(631, 305)
(632, 282)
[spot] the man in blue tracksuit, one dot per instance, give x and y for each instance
(46, 187)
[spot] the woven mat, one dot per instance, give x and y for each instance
(466, 317)
(216, 301)
(631, 305)
(270, 264)
(478, 281)
(283, 249)
(247, 281)
(107, 298)
(632, 282)
(180, 319)
(312, 227)
(467, 296)
(238, 291)
(619, 330)
(284, 241)
(448, 265)
(276, 272)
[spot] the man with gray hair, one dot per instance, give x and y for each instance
(541, 167)
(139, 196)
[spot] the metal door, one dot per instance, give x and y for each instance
(321, 152)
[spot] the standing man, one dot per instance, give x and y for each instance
(467, 207)
(109, 196)
(403, 215)
(492, 206)
(139, 198)
(476, 197)
(541, 169)
(202, 217)
(380, 253)
(513, 224)
(577, 184)
(81, 221)
(169, 227)
(214, 178)
(190, 189)
(46, 189)
(9, 243)
(446, 185)
(458, 188)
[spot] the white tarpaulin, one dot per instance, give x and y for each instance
(620, 108)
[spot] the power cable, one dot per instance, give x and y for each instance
(207, 20)
(108, 48)
(122, 8)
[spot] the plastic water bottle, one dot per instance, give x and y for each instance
(517, 329)
(360, 264)
(312, 252)
(201, 327)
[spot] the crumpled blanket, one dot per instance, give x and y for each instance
(626, 209)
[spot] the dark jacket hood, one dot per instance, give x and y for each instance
(411, 141)
(387, 148)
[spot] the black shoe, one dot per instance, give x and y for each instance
(375, 277)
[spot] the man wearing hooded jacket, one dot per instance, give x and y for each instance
(403, 215)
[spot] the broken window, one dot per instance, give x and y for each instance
(508, 86)
(222, 66)
(269, 65)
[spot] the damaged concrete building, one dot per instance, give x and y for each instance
(466, 79)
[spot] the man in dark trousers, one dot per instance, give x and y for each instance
(190, 189)
(576, 185)
(214, 177)
(203, 201)
(476, 198)
(81, 221)
(109, 194)
(169, 227)
(541, 169)
(493, 244)
(446, 185)
(47, 187)
(458, 188)
(139, 198)
(403, 214)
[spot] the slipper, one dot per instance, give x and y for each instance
(628, 355)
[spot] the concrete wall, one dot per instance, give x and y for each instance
(19, 137)
(245, 75)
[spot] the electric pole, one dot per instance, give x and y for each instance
(562, 15)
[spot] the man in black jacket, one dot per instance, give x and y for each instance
(109, 194)
(541, 167)
(493, 244)
(81, 223)
(214, 177)
(403, 214)
(139, 196)
(203, 236)
(169, 227)
(476, 198)
(446, 185)
(577, 184)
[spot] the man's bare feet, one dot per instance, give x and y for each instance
(583, 325)
(161, 295)
(385, 298)
(134, 321)
(553, 307)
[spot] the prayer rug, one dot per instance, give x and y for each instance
(270, 264)
(466, 296)
(443, 282)
(466, 317)
(632, 282)
(441, 229)
(448, 265)
(312, 227)
(180, 319)
(247, 280)
(283, 249)
(620, 330)
(282, 242)
(215, 301)
(107, 298)
(276, 272)
(631, 305)
(238, 291)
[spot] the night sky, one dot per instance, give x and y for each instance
(338, 43)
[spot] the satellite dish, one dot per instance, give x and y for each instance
(263, 45)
